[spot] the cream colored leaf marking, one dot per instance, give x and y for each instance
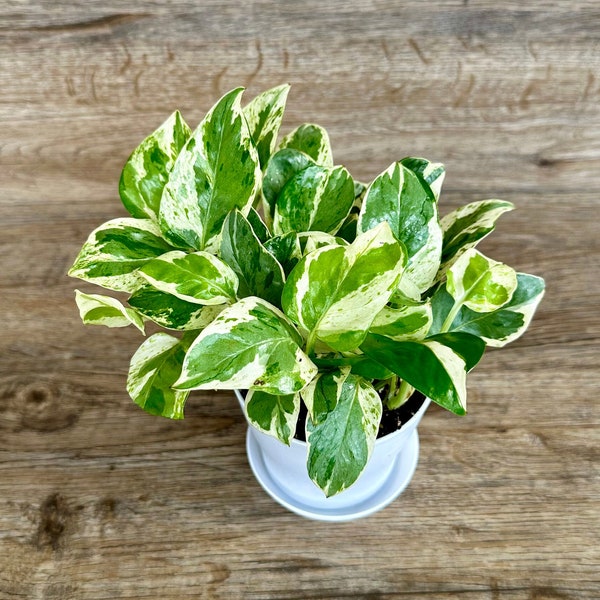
(249, 374)
(455, 366)
(271, 417)
(176, 272)
(403, 324)
(489, 284)
(96, 309)
(313, 140)
(129, 253)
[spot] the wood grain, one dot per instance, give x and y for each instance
(101, 501)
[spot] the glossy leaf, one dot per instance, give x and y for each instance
(431, 367)
(147, 169)
(431, 173)
(398, 197)
(258, 271)
(96, 309)
(258, 226)
(335, 292)
(345, 411)
(468, 225)
(216, 172)
(172, 312)
(286, 249)
(282, 167)
(154, 368)
(480, 283)
(312, 140)
(198, 277)
(264, 115)
(250, 345)
(316, 198)
(406, 323)
(501, 326)
(273, 414)
(115, 251)
(313, 240)
(469, 347)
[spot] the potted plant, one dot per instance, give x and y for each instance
(341, 309)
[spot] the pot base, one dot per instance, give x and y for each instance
(322, 510)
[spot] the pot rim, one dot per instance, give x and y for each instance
(301, 444)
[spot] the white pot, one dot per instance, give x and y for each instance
(281, 470)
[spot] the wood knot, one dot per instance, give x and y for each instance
(54, 519)
(45, 407)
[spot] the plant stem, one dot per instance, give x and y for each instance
(401, 396)
(451, 316)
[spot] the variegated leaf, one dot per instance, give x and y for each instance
(501, 326)
(431, 367)
(250, 345)
(96, 309)
(217, 171)
(258, 226)
(431, 173)
(172, 312)
(154, 368)
(312, 140)
(335, 292)
(407, 323)
(115, 251)
(480, 283)
(317, 198)
(313, 240)
(398, 197)
(147, 169)
(259, 272)
(345, 411)
(286, 249)
(198, 277)
(282, 167)
(273, 414)
(466, 226)
(264, 115)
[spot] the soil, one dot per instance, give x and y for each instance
(391, 420)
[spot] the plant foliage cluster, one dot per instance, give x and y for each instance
(286, 277)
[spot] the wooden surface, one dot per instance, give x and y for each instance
(101, 501)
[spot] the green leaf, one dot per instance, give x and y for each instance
(172, 312)
(154, 368)
(273, 414)
(312, 140)
(316, 198)
(259, 272)
(282, 167)
(469, 347)
(399, 197)
(250, 345)
(480, 283)
(501, 326)
(335, 292)
(344, 412)
(466, 226)
(406, 323)
(96, 309)
(264, 115)
(258, 226)
(115, 251)
(216, 172)
(313, 240)
(431, 367)
(199, 277)
(286, 249)
(431, 173)
(147, 169)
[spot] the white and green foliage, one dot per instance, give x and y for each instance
(278, 273)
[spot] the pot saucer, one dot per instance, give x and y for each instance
(400, 476)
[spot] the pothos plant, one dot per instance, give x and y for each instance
(287, 278)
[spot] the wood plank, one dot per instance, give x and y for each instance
(99, 500)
